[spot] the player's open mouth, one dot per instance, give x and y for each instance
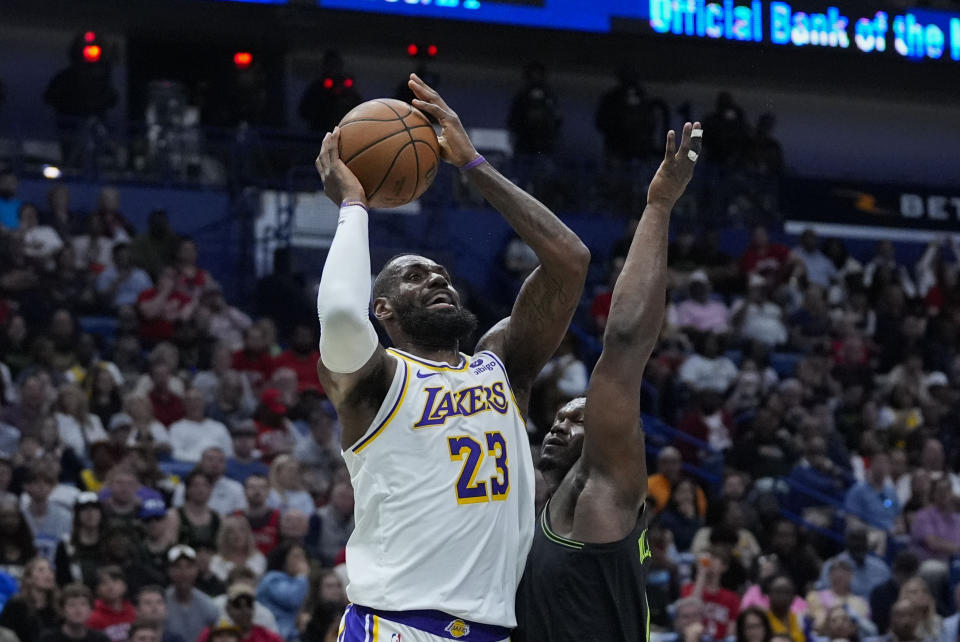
(553, 441)
(442, 300)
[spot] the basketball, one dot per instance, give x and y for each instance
(391, 148)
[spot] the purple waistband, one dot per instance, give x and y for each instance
(440, 624)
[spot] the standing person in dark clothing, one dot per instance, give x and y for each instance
(76, 604)
(328, 98)
(585, 574)
(34, 608)
(534, 120)
(628, 119)
(729, 134)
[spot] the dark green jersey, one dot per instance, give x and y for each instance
(578, 592)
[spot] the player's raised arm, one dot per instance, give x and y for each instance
(613, 448)
(549, 297)
(351, 354)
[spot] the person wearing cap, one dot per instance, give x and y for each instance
(159, 536)
(874, 501)
(246, 459)
(240, 605)
(189, 611)
(196, 432)
(699, 312)
(78, 553)
(226, 495)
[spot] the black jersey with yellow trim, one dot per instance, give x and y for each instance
(581, 592)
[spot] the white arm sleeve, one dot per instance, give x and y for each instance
(347, 338)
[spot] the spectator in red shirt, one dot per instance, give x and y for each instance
(275, 434)
(162, 306)
(302, 358)
(708, 421)
(190, 278)
(112, 612)
(720, 606)
(167, 405)
(764, 257)
(264, 521)
(254, 359)
(600, 308)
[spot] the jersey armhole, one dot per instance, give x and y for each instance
(388, 409)
(506, 376)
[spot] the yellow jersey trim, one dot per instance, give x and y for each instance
(432, 365)
(366, 441)
(553, 537)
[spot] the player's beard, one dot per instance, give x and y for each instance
(435, 327)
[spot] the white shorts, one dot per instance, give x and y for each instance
(361, 625)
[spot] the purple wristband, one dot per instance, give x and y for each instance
(350, 203)
(479, 160)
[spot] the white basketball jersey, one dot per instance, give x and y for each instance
(444, 487)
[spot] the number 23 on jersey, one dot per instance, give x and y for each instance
(471, 452)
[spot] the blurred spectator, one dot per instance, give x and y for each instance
(161, 306)
(264, 521)
(284, 587)
(875, 501)
(193, 434)
(16, 539)
(729, 139)
(935, 532)
(198, 523)
(869, 571)
(680, 516)
(78, 552)
(226, 496)
(766, 153)
(331, 526)
(78, 428)
(9, 203)
(763, 257)
(688, 621)
(275, 433)
(49, 522)
(951, 625)
(227, 323)
(157, 247)
(757, 317)
(819, 269)
(33, 609)
(236, 548)
(282, 294)
(534, 120)
(600, 306)
(31, 411)
(159, 536)
(189, 611)
(700, 312)
(262, 617)
(208, 381)
(302, 357)
(330, 601)
(115, 225)
(330, 96)
(286, 487)
(112, 613)
(59, 215)
(720, 606)
(707, 421)
(239, 607)
(76, 606)
(917, 591)
(254, 359)
(628, 119)
(145, 430)
(753, 626)
(102, 387)
(782, 592)
(41, 243)
(322, 449)
(727, 514)
(795, 556)
(191, 280)
(562, 378)
(152, 610)
(708, 369)
(904, 623)
(838, 593)
(883, 596)
(122, 283)
(245, 460)
(841, 624)
(670, 472)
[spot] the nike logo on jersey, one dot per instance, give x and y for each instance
(442, 404)
(425, 375)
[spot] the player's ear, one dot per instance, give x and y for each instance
(382, 309)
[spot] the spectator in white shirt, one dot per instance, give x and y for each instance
(236, 548)
(40, 242)
(757, 317)
(195, 432)
(144, 428)
(122, 282)
(708, 368)
(286, 487)
(820, 270)
(226, 495)
(77, 426)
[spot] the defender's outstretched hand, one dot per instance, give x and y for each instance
(676, 170)
(339, 183)
(455, 145)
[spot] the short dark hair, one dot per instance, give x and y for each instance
(741, 623)
(142, 625)
(387, 278)
(74, 591)
(152, 588)
(111, 571)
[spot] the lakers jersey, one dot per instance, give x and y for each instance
(444, 488)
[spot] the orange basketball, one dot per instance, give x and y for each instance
(391, 147)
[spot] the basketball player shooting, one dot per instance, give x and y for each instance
(585, 576)
(434, 440)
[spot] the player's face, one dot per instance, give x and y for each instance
(424, 283)
(562, 446)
